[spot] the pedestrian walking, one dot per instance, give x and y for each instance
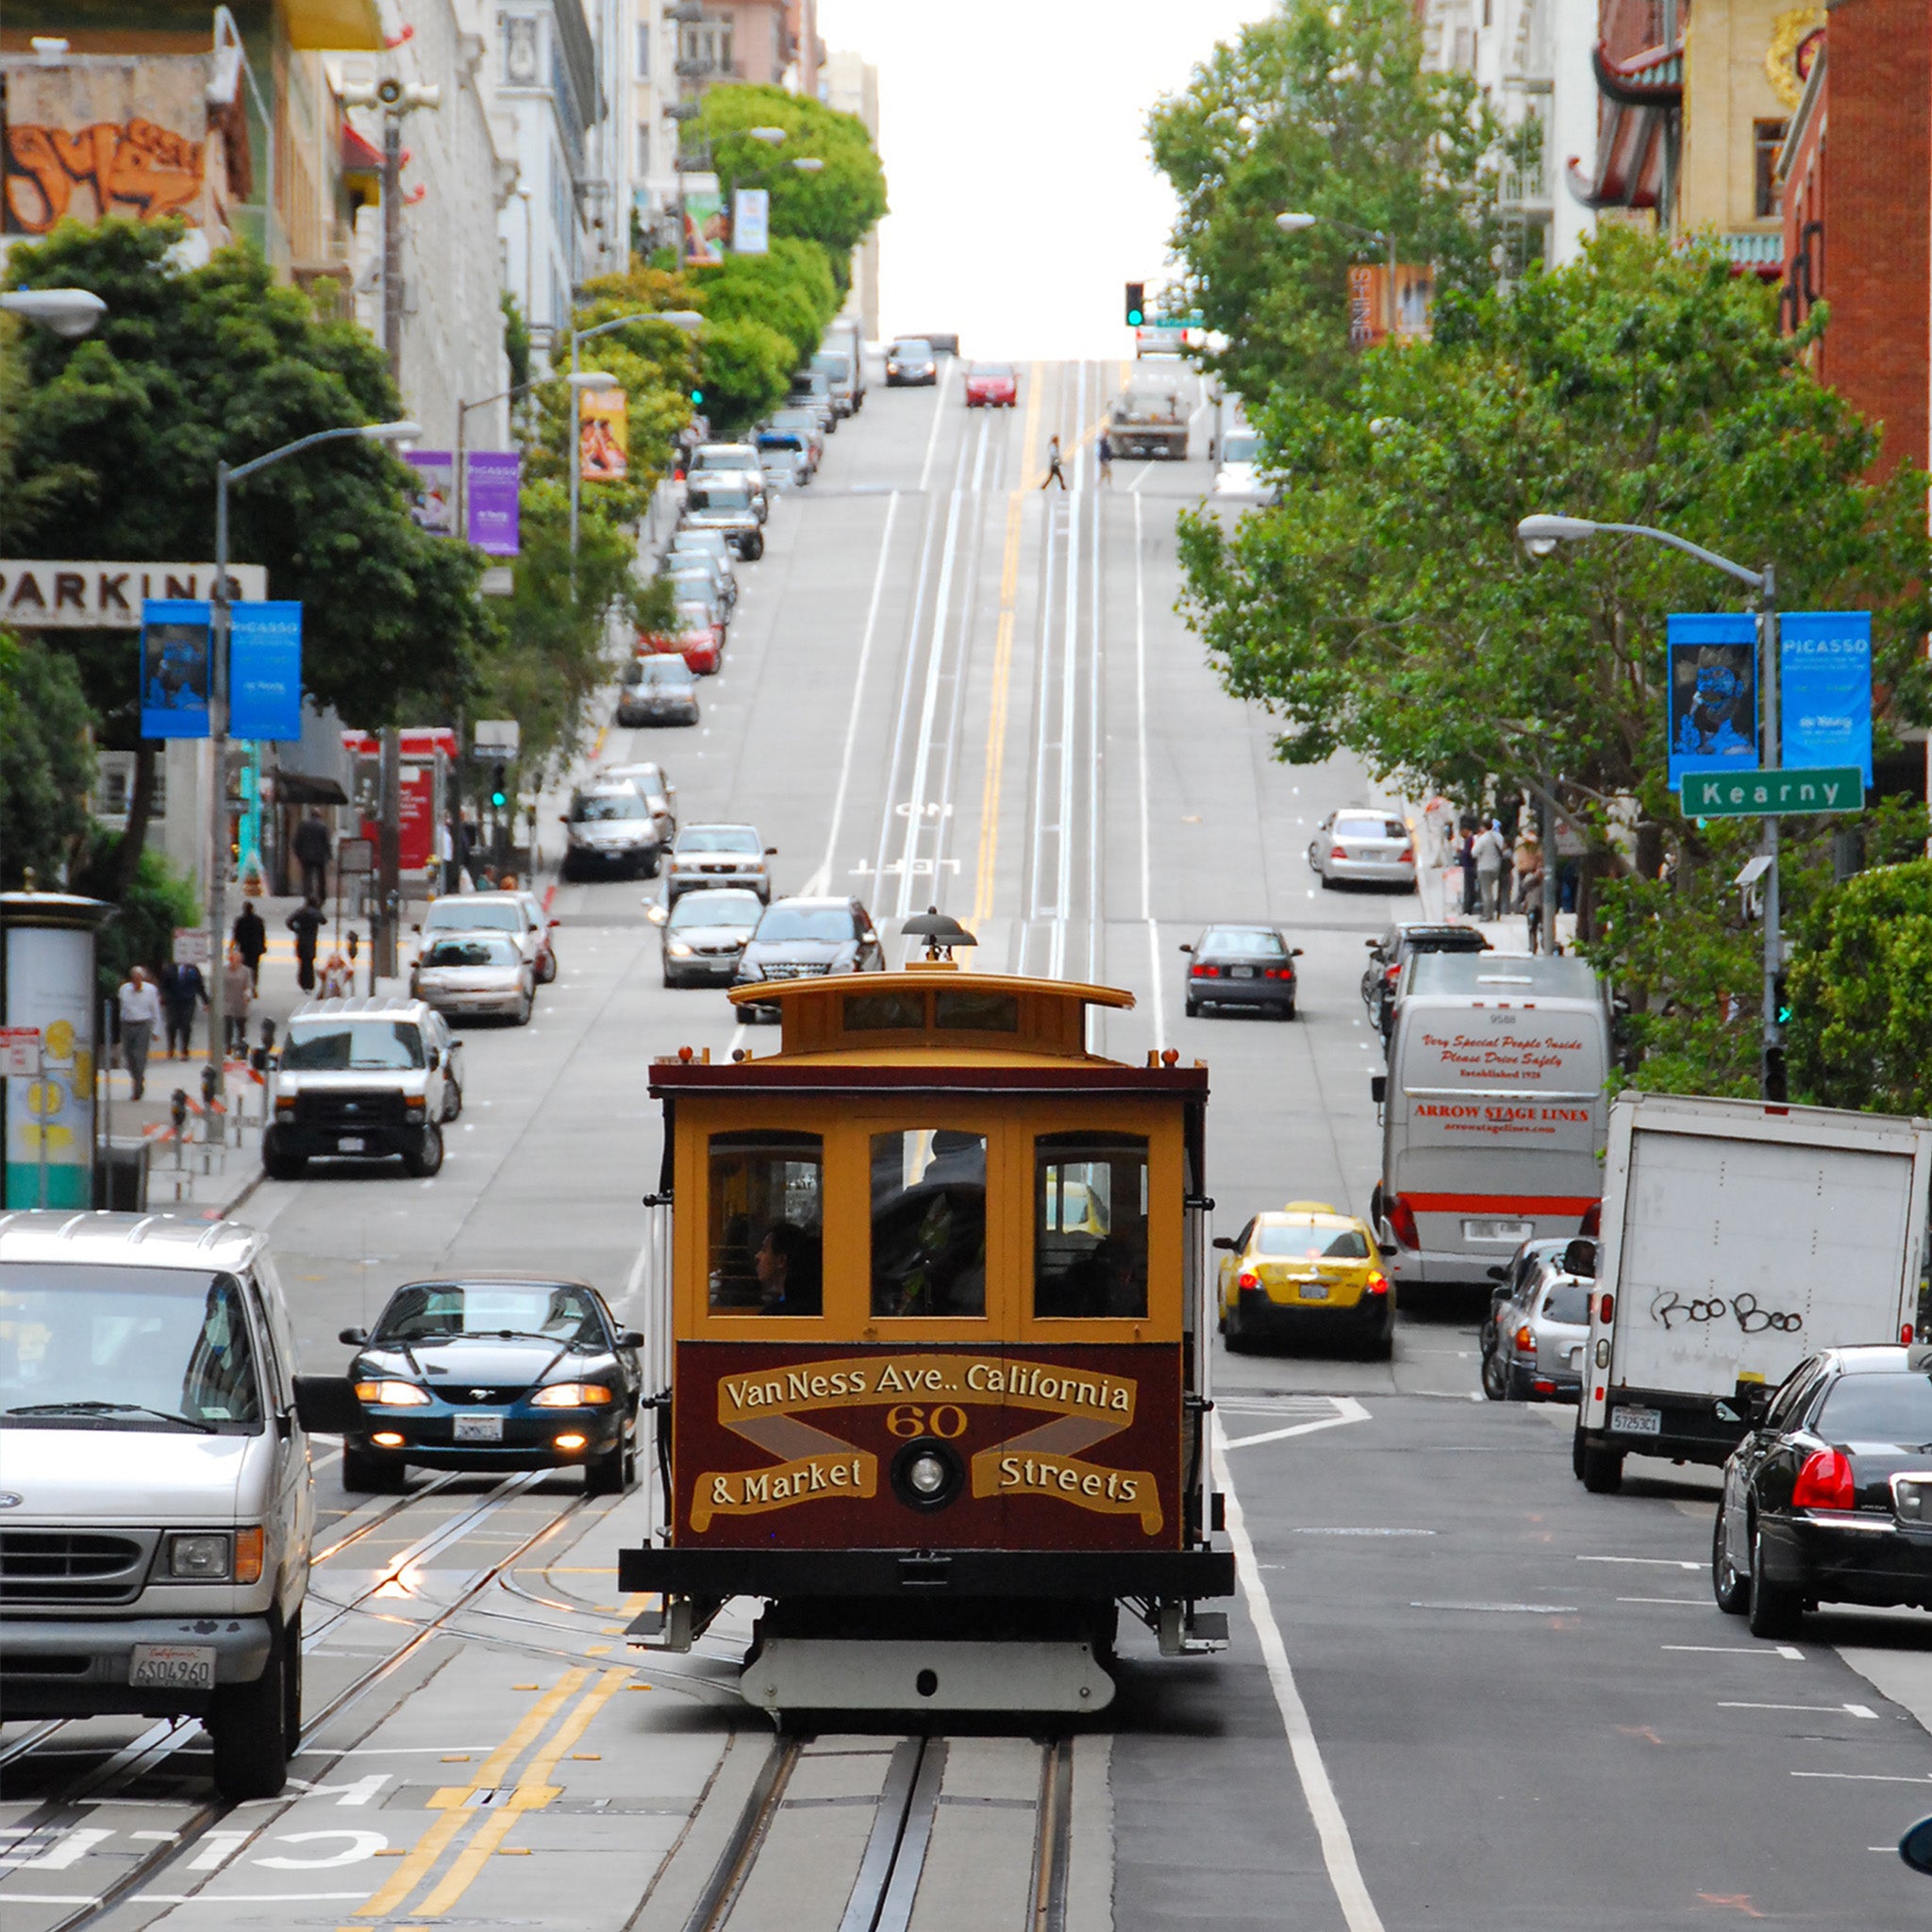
(1054, 472)
(181, 989)
(251, 935)
(1465, 861)
(140, 1013)
(306, 922)
(1103, 451)
(335, 978)
(238, 992)
(1527, 860)
(312, 845)
(1491, 855)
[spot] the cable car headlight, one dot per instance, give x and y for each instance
(926, 1475)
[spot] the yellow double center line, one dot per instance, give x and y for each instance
(533, 1790)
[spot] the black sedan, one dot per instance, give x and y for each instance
(807, 938)
(493, 1374)
(1393, 950)
(1830, 1497)
(1246, 966)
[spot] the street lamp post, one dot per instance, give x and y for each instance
(1539, 535)
(1295, 221)
(226, 475)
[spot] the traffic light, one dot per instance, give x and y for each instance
(1781, 994)
(1137, 303)
(697, 396)
(499, 797)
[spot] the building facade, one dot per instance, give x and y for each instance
(850, 84)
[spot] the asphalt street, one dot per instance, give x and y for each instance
(1461, 1693)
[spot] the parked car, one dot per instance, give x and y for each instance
(691, 634)
(713, 543)
(1538, 1333)
(545, 961)
(705, 932)
(365, 1078)
(515, 913)
(724, 505)
(739, 459)
(1306, 1269)
(786, 464)
(840, 369)
(1238, 476)
(475, 975)
(718, 856)
(161, 1511)
(910, 362)
(496, 1375)
(658, 691)
(1828, 1498)
(1389, 954)
(802, 423)
(991, 385)
(651, 784)
(807, 939)
(1508, 1278)
(1247, 966)
(610, 829)
(1363, 844)
(697, 575)
(812, 391)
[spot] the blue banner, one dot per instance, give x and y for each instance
(265, 670)
(175, 661)
(1825, 667)
(1713, 694)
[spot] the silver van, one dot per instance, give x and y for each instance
(1492, 1112)
(156, 1509)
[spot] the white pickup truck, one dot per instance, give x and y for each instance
(1739, 1237)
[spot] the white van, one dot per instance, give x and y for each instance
(155, 1507)
(1492, 1111)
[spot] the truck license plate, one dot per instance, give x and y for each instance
(1497, 1230)
(479, 1429)
(1637, 1422)
(350, 1144)
(172, 1667)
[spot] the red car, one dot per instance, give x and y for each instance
(991, 385)
(695, 638)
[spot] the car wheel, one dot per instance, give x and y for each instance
(755, 549)
(1775, 1609)
(1287, 1012)
(523, 1012)
(614, 1475)
(1603, 1469)
(427, 1158)
(1732, 1592)
(1193, 1009)
(1239, 1341)
(280, 1166)
(546, 966)
(651, 865)
(1327, 884)
(371, 1475)
(452, 1100)
(248, 1725)
(1495, 1379)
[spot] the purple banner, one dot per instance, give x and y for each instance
(492, 501)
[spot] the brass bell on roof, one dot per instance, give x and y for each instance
(940, 932)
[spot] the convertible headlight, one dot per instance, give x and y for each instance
(573, 1395)
(388, 1395)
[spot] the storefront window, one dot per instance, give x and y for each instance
(765, 1237)
(1089, 1225)
(928, 1222)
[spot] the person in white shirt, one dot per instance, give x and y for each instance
(140, 1013)
(1491, 855)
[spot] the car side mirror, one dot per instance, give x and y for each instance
(552, 926)
(1579, 1257)
(1496, 1272)
(1378, 1088)
(354, 1337)
(1186, 947)
(771, 852)
(631, 1338)
(1373, 945)
(435, 1059)
(415, 928)
(1915, 1848)
(564, 818)
(1387, 1248)
(328, 1406)
(1228, 1243)
(1296, 952)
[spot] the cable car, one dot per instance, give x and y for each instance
(933, 1287)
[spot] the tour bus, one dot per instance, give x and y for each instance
(1492, 1112)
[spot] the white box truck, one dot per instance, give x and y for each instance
(1739, 1237)
(1493, 1113)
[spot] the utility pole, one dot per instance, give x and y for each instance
(392, 237)
(1771, 758)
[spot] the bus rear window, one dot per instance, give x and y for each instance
(765, 1223)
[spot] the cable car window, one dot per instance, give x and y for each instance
(1089, 1225)
(766, 1224)
(928, 1222)
(880, 1013)
(978, 1012)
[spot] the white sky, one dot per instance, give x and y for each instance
(1022, 197)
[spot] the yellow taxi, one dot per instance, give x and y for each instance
(1308, 1269)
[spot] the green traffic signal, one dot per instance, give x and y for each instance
(697, 395)
(499, 796)
(1137, 303)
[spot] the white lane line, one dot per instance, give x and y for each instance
(1154, 976)
(1811, 1710)
(1069, 688)
(1786, 1651)
(1659, 1562)
(1348, 1411)
(1146, 471)
(1097, 897)
(1865, 1777)
(1318, 1792)
(938, 416)
(1693, 1603)
(928, 703)
(821, 881)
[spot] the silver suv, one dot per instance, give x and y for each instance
(154, 1550)
(362, 1077)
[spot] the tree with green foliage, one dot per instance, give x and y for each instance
(113, 454)
(46, 763)
(1328, 110)
(154, 902)
(1861, 994)
(790, 290)
(744, 372)
(837, 204)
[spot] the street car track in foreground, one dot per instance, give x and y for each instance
(885, 1886)
(154, 1746)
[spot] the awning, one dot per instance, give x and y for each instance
(296, 788)
(1643, 98)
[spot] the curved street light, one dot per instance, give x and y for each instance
(68, 313)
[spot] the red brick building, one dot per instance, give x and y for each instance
(1858, 214)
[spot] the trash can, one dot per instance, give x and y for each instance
(120, 1179)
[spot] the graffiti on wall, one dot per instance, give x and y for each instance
(132, 168)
